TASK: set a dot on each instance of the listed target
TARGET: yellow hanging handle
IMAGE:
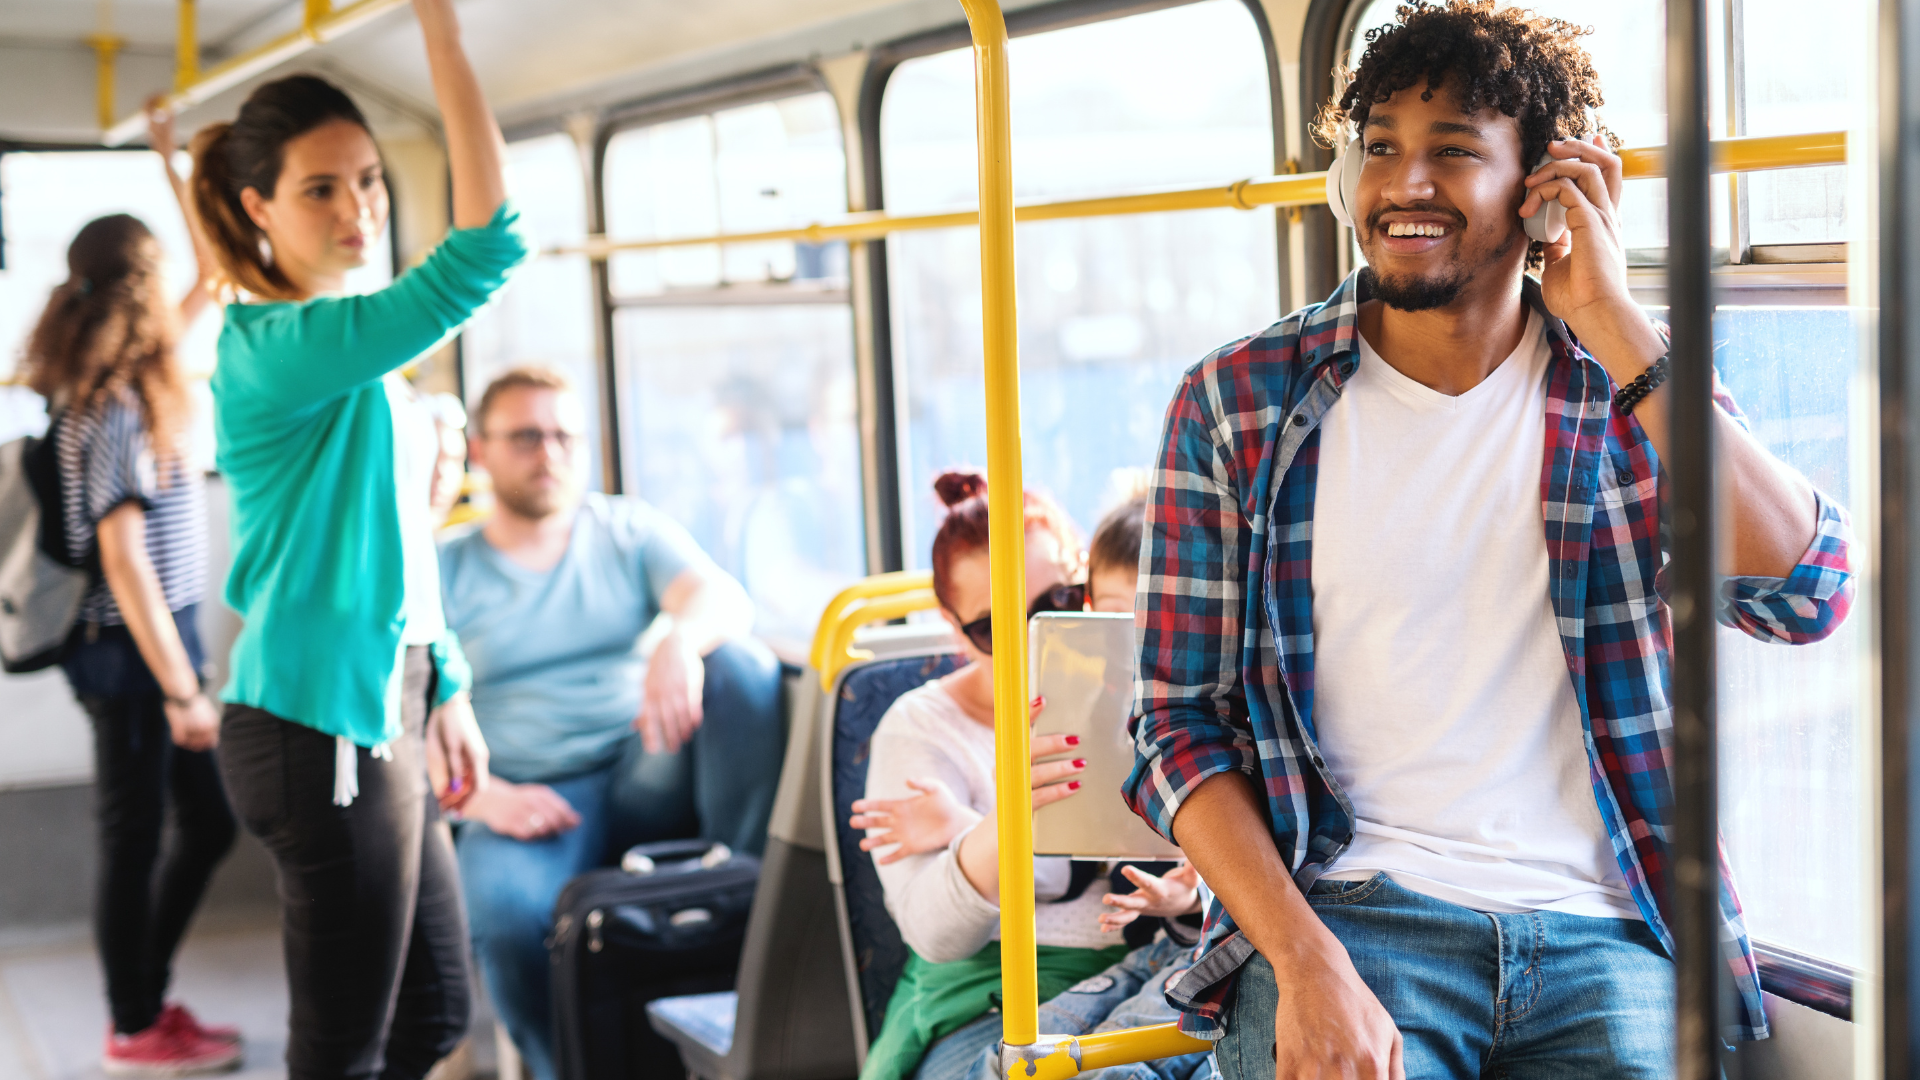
(1006, 524)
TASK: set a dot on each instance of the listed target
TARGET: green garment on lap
(932, 1001)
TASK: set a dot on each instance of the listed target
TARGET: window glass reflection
(1112, 310)
(769, 165)
(740, 424)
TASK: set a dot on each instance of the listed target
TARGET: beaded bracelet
(1636, 391)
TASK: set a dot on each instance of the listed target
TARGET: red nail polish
(1073, 740)
(1079, 763)
(1073, 785)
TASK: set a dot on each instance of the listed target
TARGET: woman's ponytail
(238, 245)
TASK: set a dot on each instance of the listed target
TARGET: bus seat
(874, 953)
(785, 1019)
(790, 1017)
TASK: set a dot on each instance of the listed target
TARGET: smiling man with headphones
(1402, 689)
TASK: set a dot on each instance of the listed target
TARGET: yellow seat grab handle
(899, 581)
(840, 651)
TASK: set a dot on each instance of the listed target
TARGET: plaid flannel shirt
(1226, 616)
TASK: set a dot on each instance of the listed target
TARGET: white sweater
(941, 916)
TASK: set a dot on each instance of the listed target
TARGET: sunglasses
(1058, 598)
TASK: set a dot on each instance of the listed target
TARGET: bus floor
(53, 1011)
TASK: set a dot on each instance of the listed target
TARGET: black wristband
(1645, 383)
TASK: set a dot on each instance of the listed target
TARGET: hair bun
(956, 486)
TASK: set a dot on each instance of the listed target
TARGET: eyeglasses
(1058, 598)
(528, 440)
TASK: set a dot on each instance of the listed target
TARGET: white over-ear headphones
(1343, 185)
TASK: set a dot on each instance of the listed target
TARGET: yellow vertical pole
(186, 51)
(317, 12)
(1006, 525)
(105, 48)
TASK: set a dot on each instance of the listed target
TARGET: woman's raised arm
(476, 154)
(160, 137)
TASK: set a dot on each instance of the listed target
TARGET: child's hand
(1178, 893)
(919, 823)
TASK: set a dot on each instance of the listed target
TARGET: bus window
(1112, 310)
(1809, 80)
(1791, 749)
(547, 316)
(735, 366)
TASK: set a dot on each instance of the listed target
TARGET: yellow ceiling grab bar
(320, 23)
(1756, 153)
(865, 589)
(839, 651)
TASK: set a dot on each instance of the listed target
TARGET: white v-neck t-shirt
(1442, 700)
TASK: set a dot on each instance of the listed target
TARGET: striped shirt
(106, 459)
(1225, 612)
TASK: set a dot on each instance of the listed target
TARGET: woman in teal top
(347, 710)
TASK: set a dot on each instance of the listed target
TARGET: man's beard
(1426, 293)
(1415, 294)
(529, 502)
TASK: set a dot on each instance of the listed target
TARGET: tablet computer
(1082, 664)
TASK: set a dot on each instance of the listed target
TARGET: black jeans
(138, 771)
(374, 930)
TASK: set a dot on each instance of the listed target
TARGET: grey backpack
(40, 594)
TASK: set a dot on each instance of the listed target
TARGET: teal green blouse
(305, 442)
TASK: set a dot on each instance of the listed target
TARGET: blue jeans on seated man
(719, 786)
(1538, 995)
(1131, 993)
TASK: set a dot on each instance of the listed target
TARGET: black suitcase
(669, 921)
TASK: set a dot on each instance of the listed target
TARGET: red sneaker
(163, 1051)
(178, 1016)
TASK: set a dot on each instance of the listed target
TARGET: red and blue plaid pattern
(1226, 614)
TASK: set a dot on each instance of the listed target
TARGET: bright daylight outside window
(546, 317)
(1789, 746)
(65, 190)
(737, 401)
(1112, 310)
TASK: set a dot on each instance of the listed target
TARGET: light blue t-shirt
(556, 668)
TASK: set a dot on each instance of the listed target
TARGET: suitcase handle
(674, 856)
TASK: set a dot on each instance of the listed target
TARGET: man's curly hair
(1528, 66)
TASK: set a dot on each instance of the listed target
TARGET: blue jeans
(1533, 996)
(719, 786)
(1131, 993)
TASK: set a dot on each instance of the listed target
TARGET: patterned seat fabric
(866, 693)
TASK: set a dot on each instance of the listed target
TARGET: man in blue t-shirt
(588, 618)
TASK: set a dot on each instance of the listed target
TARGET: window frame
(887, 503)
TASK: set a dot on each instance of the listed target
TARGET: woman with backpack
(103, 356)
(347, 709)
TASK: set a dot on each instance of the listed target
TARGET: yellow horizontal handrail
(1062, 1057)
(315, 29)
(1755, 153)
(898, 581)
(840, 650)
(1109, 1048)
